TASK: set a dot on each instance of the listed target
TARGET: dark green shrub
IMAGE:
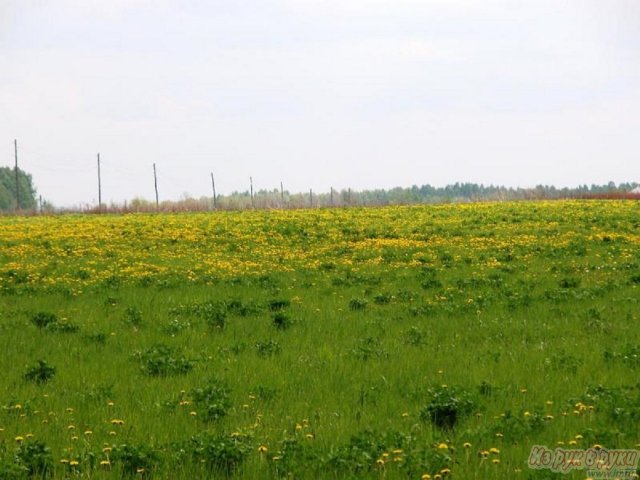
(211, 401)
(44, 319)
(41, 373)
(36, 458)
(162, 360)
(221, 453)
(138, 459)
(447, 406)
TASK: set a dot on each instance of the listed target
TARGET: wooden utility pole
(40, 201)
(311, 198)
(281, 195)
(213, 185)
(15, 145)
(155, 181)
(332, 196)
(251, 186)
(99, 186)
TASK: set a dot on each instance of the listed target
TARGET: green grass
(350, 376)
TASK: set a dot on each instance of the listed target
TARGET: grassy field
(400, 342)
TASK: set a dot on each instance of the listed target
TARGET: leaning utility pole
(213, 185)
(99, 186)
(15, 145)
(155, 181)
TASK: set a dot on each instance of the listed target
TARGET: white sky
(342, 93)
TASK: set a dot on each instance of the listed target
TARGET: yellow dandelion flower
(495, 461)
(425, 476)
(74, 463)
(466, 445)
(105, 463)
(19, 439)
(443, 446)
(262, 449)
(494, 450)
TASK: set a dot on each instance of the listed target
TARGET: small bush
(221, 453)
(36, 458)
(211, 401)
(277, 305)
(268, 348)
(282, 321)
(133, 316)
(358, 303)
(162, 360)
(447, 406)
(44, 319)
(41, 373)
(135, 459)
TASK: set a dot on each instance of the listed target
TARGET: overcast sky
(342, 93)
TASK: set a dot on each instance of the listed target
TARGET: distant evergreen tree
(8, 190)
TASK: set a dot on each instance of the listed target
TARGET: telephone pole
(281, 195)
(155, 181)
(99, 186)
(213, 185)
(15, 145)
(251, 186)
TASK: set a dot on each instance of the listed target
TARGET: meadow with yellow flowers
(417, 342)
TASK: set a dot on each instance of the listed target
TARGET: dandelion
(494, 450)
(105, 463)
(193, 414)
(443, 446)
(380, 462)
(74, 463)
(445, 471)
(140, 470)
(29, 435)
(495, 461)
(117, 421)
(309, 436)
(19, 439)
(262, 449)
(64, 461)
(425, 476)
(466, 445)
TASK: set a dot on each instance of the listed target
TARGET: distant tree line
(455, 193)
(8, 197)
(276, 198)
